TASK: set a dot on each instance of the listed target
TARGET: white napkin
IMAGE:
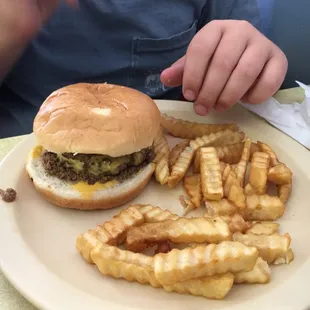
(292, 118)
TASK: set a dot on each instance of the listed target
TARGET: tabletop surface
(10, 299)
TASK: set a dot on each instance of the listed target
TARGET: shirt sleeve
(231, 9)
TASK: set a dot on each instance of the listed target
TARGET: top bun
(97, 119)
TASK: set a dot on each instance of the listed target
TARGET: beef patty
(92, 168)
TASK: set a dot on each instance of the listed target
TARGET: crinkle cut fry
(258, 173)
(263, 208)
(192, 185)
(213, 287)
(122, 264)
(242, 165)
(182, 230)
(233, 190)
(154, 214)
(111, 232)
(259, 274)
(162, 151)
(211, 176)
(190, 263)
(270, 247)
(184, 161)
(263, 228)
(230, 154)
(280, 174)
(221, 207)
(176, 152)
(284, 192)
(190, 130)
(267, 149)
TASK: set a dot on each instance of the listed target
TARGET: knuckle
(215, 23)
(224, 64)
(205, 99)
(250, 70)
(244, 24)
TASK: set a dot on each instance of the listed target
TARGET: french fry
(287, 258)
(112, 232)
(233, 191)
(211, 178)
(220, 138)
(270, 247)
(122, 264)
(242, 165)
(176, 152)
(263, 208)
(187, 204)
(284, 192)
(213, 287)
(231, 154)
(258, 173)
(196, 165)
(259, 274)
(189, 130)
(221, 207)
(236, 195)
(263, 228)
(85, 243)
(280, 174)
(184, 161)
(192, 185)
(153, 214)
(267, 149)
(236, 223)
(226, 173)
(182, 230)
(191, 263)
(161, 149)
(181, 166)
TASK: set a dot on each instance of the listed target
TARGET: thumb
(173, 76)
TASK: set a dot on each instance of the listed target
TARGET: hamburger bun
(63, 194)
(97, 119)
(93, 119)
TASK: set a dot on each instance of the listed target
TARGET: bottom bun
(86, 197)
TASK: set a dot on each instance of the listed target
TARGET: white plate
(37, 239)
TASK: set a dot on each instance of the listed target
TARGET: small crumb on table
(9, 195)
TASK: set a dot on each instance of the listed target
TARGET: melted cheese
(36, 152)
(87, 190)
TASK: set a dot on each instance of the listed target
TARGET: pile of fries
(229, 177)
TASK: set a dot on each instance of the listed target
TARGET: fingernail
(189, 95)
(201, 109)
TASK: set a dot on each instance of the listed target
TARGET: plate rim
(50, 299)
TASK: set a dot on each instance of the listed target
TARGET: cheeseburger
(94, 145)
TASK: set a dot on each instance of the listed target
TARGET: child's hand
(226, 61)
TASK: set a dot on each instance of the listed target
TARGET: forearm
(11, 48)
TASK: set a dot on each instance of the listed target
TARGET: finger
(172, 76)
(223, 63)
(245, 74)
(198, 56)
(47, 7)
(270, 79)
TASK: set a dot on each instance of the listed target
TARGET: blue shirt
(126, 42)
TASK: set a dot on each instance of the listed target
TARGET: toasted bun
(63, 194)
(97, 119)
